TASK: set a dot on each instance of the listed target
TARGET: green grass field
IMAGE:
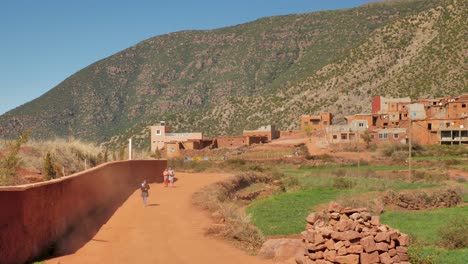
(285, 213)
(425, 226)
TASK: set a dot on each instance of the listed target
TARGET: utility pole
(359, 156)
(130, 149)
(410, 147)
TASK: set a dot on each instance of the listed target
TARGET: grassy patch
(423, 225)
(438, 255)
(362, 184)
(285, 213)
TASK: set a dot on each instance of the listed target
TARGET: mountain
(269, 71)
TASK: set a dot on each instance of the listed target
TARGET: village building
(431, 121)
(261, 135)
(160, 135)
(316, 123)
(268, 132)
(351, 132)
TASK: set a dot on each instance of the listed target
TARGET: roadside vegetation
(25, 161)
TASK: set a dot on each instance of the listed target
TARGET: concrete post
(130, 149)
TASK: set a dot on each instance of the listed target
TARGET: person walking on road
(171, 177)
(166, 177)
(144, 191)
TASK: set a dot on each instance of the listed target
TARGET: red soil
(169, 230)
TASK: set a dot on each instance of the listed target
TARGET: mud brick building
(317, 122)
(161, 135)
(431, 121)
(269, 132)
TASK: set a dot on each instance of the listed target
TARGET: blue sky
(43, 42)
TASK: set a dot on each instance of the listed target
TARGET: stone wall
(424, 199)
(34, 216)
(351, 236)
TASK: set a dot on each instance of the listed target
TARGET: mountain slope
(268, 71)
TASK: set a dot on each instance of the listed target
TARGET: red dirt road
(169, 230)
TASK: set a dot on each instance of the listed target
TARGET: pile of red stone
(350, 235)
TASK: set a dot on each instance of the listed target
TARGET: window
(315, 122)
(158, 132)
(463, 105)
(385, 124)
(335, 137)
(383, 135)
(429, 126)
(405, 115)
(395, 136)
(361, 124)
(344, 136)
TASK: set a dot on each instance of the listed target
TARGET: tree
(49, 170)
(11, 162)
(308, 132)
(157, 154)
(367, 138)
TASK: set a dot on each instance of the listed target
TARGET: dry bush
(454, 234)
(70, 156)
(429, 177)
(218, 199)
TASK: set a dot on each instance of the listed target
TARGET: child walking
(171, 177)
(166, 177)
(144, 191)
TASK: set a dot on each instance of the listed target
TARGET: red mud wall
(33, 217)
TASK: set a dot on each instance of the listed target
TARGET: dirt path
(169, 230)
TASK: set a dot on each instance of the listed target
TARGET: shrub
(454, 234)
(420, 255)
(235, 162)
(325, 157)
(289, 183)
(387, 150)
(399, 155)
(49, 169)
(218, 197)
(339, 172)
(343, 183)
(12, 161)
(429, 177)
(460, 179)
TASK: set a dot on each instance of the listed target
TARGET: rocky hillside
(271, 70)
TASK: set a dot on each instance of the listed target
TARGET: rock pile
(350, 236)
